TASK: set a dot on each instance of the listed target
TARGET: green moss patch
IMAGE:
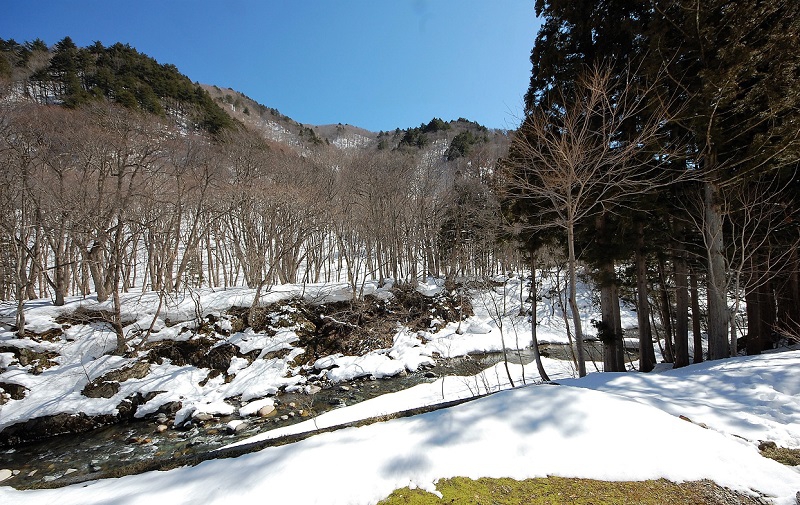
(558, 490)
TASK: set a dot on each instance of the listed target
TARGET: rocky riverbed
(208, 369)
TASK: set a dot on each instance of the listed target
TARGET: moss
(783, 455)
(557, 490)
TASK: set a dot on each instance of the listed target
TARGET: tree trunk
(21, 282)
(534, 322)
(788, 293)
(718, 316)
(95, 268)
(620, 351)
(666, 313)
(573, 303)
(61, 268)
(681, 305)
(697, 331)
(116, 323)
(609, 326)
(753, 320)
(646, 363)
(767, 306)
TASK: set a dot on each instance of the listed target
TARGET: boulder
(100, 389)
(235, 426)
(107, 385)
(16, 391)
(267, 411)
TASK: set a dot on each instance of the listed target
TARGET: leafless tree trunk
(534, 296)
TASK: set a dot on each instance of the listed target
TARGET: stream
(118, 448)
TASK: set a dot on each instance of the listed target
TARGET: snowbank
(522, 433)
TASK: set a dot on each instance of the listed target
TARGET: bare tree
(752, 211)
(577, 157)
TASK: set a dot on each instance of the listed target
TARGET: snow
(567, 430)
(574, 429)
(254, 406)
(752, 398)
(444, 389)
(407, 353)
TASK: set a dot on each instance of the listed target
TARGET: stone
(14, 391)
(430, 375)
(48, 426)
(161, 428)
(5, 473)
(107, 385)
(284, 418)
(235, 426)
(100, 389)
(312, 389)
(70, 470)
(267, 411)
(203, 417)
(292, 405)
(344, 388)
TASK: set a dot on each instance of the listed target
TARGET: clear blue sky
(378, 64)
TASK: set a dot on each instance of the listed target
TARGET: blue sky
(378, 64)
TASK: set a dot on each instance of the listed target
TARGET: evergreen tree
(576, 36)
(75, 76)
(729, 61)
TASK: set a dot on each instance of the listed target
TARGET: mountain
(71, 76)
(436, 139)
(75, 76)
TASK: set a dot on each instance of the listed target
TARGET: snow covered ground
(581, 428)
(584, 429)
(83, 349)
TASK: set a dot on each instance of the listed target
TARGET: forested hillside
(77, 76)
(103, 195)
(658, 158)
